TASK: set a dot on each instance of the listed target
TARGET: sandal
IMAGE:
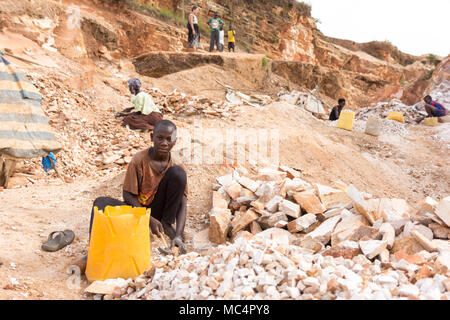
(62, 239)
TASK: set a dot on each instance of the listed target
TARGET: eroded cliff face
(284, 32)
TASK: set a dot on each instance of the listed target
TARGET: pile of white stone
(284, 238)
(382, 109)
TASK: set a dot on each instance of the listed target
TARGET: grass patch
(304, 8)
(161, 13)
(429, 74)
(265, 62)
(432, 59)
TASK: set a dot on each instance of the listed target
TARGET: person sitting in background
(433, 109)
(145, 113)
(231, 38)
(336, 112)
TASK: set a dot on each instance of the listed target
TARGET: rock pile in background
(94, 142)
(382, 109)
(182, 104)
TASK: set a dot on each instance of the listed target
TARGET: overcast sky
(414, 26)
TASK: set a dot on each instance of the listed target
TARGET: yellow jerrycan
(397, 116)
(120, 243)
(346, 120)
(431, 122)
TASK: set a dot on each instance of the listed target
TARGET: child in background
(231, 38)
(221, 38)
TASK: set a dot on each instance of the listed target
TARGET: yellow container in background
(431, 122)
(397, 116)
(346, 120)
(120, 243)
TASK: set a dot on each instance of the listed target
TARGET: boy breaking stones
(154, 181)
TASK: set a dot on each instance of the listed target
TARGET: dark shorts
(230, 45)
(439, 111)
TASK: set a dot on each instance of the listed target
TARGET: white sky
(414, 26)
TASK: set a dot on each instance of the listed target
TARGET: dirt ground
(410, 167)
(324, 154)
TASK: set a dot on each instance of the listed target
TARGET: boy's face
(427, 100)
(164, 139)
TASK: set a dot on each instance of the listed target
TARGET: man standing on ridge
(214, 24)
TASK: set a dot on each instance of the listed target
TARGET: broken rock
(272, 205)
(388, 232)
(372, 248)
(309, 201)
(330, 197)
(443, 210)
(219, 201)
(220, 223)
(270, 221)
(289, 208)
(359, 203)
(424, 241)
(244, 221)
(302, 223)
(249, 184)
(233, 189)
(324, 231)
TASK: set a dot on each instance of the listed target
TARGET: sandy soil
(410, 167)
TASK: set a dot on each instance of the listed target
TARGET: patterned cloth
(439, 110)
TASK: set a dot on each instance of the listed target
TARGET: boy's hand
(178, 242)
(156, 227)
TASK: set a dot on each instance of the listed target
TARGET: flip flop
(62, 239)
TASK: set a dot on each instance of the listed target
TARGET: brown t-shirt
(142, 178)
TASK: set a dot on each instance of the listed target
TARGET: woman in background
(194, 33)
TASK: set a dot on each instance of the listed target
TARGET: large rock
(255, 228)
(394, 210)
(424, 241)
(346, 249)
(291, 173)
(272, 205)
(365, 232)
(289, 208)
(269, 174)
(219, 201)
(201, 242)
(249, 184)
(279, 236)
(359, 203)
(332, 198)
(372, 248)
(296, 185)
(428, 205)
(324, 231)
(244, 221)
(219, 225)
(234, 190)
(347, 227)
(443, 210)
(302, 223)
(270, 221)
(225, 180)
(388, 232)
(309, 202)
